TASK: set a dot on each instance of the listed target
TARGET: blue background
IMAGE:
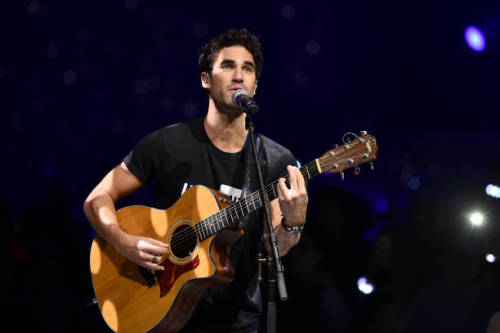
(82, 81)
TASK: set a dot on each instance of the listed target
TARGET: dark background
(82, 81)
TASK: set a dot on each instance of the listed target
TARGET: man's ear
(205, 80)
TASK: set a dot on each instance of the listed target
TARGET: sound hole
(183, 241)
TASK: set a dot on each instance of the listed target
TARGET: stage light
(475, 38)
(493, 191)
(490, 258)
(476, 219)
(364, 286)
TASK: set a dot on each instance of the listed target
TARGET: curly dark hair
(228, 38)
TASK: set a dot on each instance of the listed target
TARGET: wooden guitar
(199, 228)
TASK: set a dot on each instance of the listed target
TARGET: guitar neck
(361, 150)
(244, 206)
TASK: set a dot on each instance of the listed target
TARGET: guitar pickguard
(172, 271)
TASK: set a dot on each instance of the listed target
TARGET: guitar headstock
(355, 150)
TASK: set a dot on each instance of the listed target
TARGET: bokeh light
(491, 258)
(493, 191)
(364, 286)
(476, 219)
(475, 38)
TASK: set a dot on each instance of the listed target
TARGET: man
(208, 151)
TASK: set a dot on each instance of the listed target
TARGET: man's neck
(226, 133)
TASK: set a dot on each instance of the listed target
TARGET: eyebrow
(229, 61)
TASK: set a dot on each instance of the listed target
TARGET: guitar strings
(205, 226)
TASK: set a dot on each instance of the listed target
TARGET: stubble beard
(229, 109)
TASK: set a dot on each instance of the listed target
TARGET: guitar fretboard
(235, 212)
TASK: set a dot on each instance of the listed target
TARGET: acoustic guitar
(199, 229)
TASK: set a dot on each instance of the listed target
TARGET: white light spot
(476, 219)
(490, 258)
(364, 286)
(493, 191)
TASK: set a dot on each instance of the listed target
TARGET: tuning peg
(342, 175)
(357, 170)
(363, 133)
(372, 167)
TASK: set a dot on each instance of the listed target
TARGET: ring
(154, 260)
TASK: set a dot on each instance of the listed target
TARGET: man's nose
(238, 75)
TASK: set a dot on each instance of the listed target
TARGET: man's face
(233, 69)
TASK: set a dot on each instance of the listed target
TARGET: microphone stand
(276, 271)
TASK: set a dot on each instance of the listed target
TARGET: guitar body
(134, 299)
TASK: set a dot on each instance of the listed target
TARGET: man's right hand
(99, 207)
(142, 250)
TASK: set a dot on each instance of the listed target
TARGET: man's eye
(248, 69)
(227, 66)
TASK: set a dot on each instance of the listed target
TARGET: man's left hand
(293, 200)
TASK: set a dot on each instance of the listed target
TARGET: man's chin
(232, 112)
(229, 109)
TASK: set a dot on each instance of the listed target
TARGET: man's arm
(99, 207)
(291, 204)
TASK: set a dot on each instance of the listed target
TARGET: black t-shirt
(182, 155)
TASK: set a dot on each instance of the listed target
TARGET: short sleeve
(142, 161)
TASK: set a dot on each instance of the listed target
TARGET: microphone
(246, 103)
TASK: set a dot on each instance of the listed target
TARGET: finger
(150, 265)
(293, 177)
(157, 242)
(154, 262)
(147, 246)
(282, 189)
(301, 183)
(158, 251)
